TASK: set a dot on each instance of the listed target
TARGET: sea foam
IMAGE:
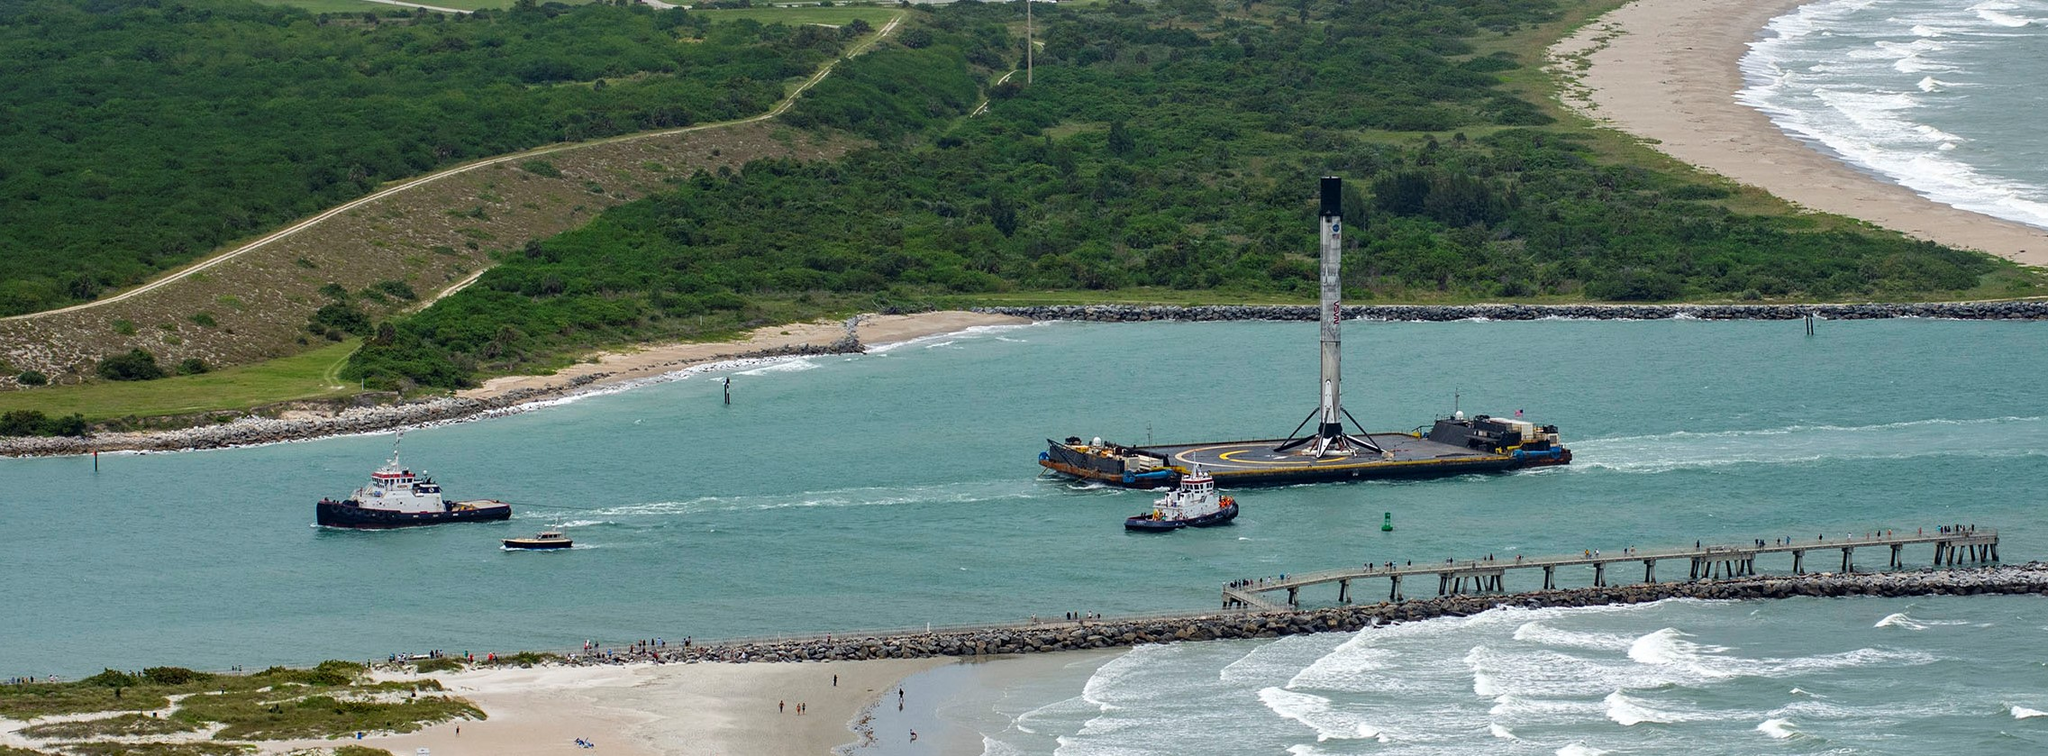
(1780, 729)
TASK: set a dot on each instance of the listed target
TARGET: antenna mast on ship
(1330, 439)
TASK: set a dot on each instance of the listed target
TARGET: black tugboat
(397, 498)
(1195, 504)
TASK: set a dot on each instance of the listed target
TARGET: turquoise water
(899, 488)
(1945, 98)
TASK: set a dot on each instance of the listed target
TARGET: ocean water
(1799, 676)
(1944, 98)
(900, 488)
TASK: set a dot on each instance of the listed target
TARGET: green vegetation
(524, 659)
(873, 16)
(278, 703)
(311, 375)
(136, 365)
(158, 749)
(441, 664)
(1163, 148)
(199, 122)
(118, 726)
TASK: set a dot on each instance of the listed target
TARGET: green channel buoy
(1387, 525)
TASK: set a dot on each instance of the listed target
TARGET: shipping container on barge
(1453, 445)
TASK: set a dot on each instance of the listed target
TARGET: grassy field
(305, 376)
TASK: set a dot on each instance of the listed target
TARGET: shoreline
(2033, 309)
(606, 373)
(1668, 72)
(624, 370)
(735, 698)
(651, 709)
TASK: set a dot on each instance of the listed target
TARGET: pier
(1953, 545)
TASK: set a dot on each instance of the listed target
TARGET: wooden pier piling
(1952, 545)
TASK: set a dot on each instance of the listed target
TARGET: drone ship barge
(1454, 445)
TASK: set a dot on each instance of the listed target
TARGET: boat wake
(872, 496)
(1807, 444)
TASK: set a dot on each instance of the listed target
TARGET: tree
(1121, 143)
(136, 365)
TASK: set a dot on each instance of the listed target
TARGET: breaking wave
(1778, 728)
(1859, 79)
(1317, 712)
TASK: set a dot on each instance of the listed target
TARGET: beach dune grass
(44, 699)
(311, 375)
(328, 700)
(312, 711)
(158, 749)
(116, 726)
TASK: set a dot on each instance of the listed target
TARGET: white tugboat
(1194, 504)
(398, 498)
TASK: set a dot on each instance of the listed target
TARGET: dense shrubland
(1170, 145)
(142, 133)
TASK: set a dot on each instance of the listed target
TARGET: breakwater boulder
(2013, 310)
(1037, 637)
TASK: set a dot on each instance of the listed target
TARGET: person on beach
(835, 681)
(779, 706)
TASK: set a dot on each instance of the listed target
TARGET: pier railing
(1953, 544)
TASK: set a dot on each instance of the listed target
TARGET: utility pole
(1028, 44)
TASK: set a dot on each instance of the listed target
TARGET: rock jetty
(1025, 638)
(256, 428)
(2011, 310)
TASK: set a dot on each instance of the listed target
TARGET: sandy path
(875, 330)
(1671, 75)
(707, 709)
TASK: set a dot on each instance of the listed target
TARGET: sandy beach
(655, 360)
(643, 709)
(1667, 70)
